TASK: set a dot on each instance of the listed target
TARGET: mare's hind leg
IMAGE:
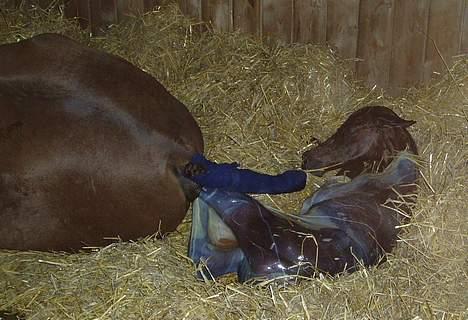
(26, 222)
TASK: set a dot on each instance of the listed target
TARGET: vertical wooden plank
(310, 21)
(44, 4)
(108, 12)
(101, 13)
(128, 7)
(374, 46)
(277, 16)
(70, 9)
(464, 29)
(193, 8)
(182, 6)
(443, 33)
(9, 4)
(246, 16)
(95, 22)
(218, 13)
(78, 9)
(342, 27)
(409, 30)
(84, 13)
(149, 5)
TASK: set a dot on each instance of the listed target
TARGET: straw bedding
(260, 105)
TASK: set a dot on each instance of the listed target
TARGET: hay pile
(259, 105)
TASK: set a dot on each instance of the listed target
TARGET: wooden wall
(390, 43)
(98, 14)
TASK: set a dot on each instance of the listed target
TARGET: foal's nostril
(305, 160)
(310, 164)
(313, 164)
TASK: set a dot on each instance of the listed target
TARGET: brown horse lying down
(365, 142)
(91, 146)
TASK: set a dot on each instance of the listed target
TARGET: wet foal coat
(341, 226)
(365, 142)
(91, 147)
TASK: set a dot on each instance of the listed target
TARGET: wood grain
(310, 21)
(443, 35)
(277, 18)
(246, 16)
(375, 42)
(193, 8)
(409, 43)
(128, 7)
(218, 13)
(396, 43)
(342, 27)
(464, 29)
(80, 10)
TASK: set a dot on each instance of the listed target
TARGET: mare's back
(91, 147)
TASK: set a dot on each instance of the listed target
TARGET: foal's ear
(395, 122)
